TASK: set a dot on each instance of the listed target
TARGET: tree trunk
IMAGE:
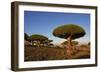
(69, 47)
(69, 43)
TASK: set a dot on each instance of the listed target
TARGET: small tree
(69, 32)
(73, 43)
(38, 39)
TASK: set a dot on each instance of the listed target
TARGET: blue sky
(36, 22)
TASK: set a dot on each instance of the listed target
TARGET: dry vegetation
(55, 53)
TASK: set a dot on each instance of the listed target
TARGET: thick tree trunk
(69, 47)
(69, 43)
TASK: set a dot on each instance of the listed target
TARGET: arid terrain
(33, 53)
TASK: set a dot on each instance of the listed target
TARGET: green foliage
(38, 37)
(73, 42)
(67, 30)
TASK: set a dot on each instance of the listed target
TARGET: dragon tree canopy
(73, 30)
(37, 37)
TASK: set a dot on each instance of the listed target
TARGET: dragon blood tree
(39, 40)
(69, 32)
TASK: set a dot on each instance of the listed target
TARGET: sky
(37, 22)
